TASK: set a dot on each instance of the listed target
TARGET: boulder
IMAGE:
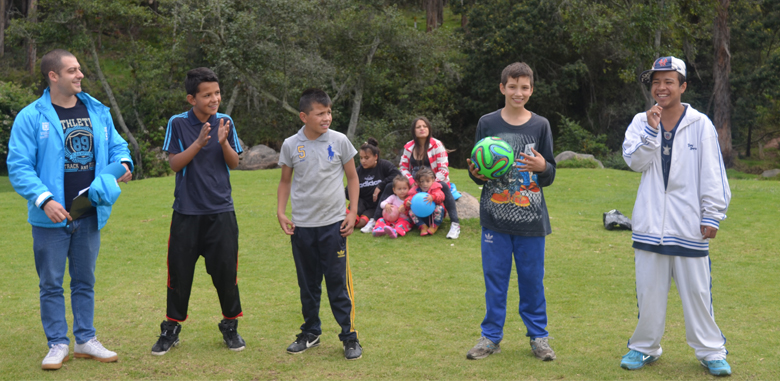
(468, 206)
(158, 152)
(258, 157)
(244, 147)
(771, 173)
(774, 143)
(568, 155)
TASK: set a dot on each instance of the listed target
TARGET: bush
(572, 137)
(615, 161)
(578, 163)
(13, 98)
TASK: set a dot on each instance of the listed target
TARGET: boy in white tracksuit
(683, 195)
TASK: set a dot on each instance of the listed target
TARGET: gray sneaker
(542, 350)
(484, 348)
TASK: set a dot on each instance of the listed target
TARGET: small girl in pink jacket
(425, 181)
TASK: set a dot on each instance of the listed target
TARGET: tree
(722, 91)
(434, 14)
(754, 78)
(3, 11)
(32, 17)
(72, 25)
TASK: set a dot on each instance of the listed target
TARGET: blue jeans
(79, 243)
(497, 252)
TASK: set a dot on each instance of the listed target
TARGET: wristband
(43, 204)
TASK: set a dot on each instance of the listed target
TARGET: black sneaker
(169, 337)
(303, 342)
(231, 336)
(352, 349)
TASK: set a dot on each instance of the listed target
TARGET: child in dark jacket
(425, 181)
(374, 174)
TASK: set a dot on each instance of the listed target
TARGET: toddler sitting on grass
(425, 181)
(395, 221)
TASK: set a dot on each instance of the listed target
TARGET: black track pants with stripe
(215, 237)
(322, 252)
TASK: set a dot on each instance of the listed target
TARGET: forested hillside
(385, 62)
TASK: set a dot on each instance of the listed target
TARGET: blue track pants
(497, 252)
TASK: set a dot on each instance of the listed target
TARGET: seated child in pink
(391, 224)
(425, 181)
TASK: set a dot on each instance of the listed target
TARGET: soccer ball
(493, 157)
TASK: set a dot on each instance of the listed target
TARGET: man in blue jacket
(58, 143)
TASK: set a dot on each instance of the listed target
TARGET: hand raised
(224, 130)
(654, 116)
(204, 137)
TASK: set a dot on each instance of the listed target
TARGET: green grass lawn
(419, 299)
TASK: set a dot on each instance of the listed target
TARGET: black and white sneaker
(352, 349)
(303, 342)
(169, 337)
(230, 335)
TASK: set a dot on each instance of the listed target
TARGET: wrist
(46, 201)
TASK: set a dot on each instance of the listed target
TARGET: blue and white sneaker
(717, 367)
(635, 360)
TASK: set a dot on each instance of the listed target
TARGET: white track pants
(654, 273)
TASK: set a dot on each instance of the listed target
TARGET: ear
(53, 76)
(683, 87)
(502, 88)
(303, 116)
(191, 99)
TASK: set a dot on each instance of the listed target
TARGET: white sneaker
(94, 350)
(58, 353)
(454, 231)
(369, 226)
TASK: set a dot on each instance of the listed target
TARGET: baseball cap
(663, 64)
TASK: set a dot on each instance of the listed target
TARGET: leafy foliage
(578, 163)
(382, 72)
(13, 98)
(572, 137)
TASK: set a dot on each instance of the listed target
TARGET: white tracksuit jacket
(697, 193)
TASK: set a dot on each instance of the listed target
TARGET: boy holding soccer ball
(513, 215)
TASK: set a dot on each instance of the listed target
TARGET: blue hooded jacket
(36, 155)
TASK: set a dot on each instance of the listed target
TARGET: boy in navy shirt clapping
(202, 146)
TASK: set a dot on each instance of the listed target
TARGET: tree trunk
(233, 97)
(358, 100)
(431, 15)
(722, 91)
(139, 170)
(32, 53)
(2, 27)
(649, 101)
(440, 12)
